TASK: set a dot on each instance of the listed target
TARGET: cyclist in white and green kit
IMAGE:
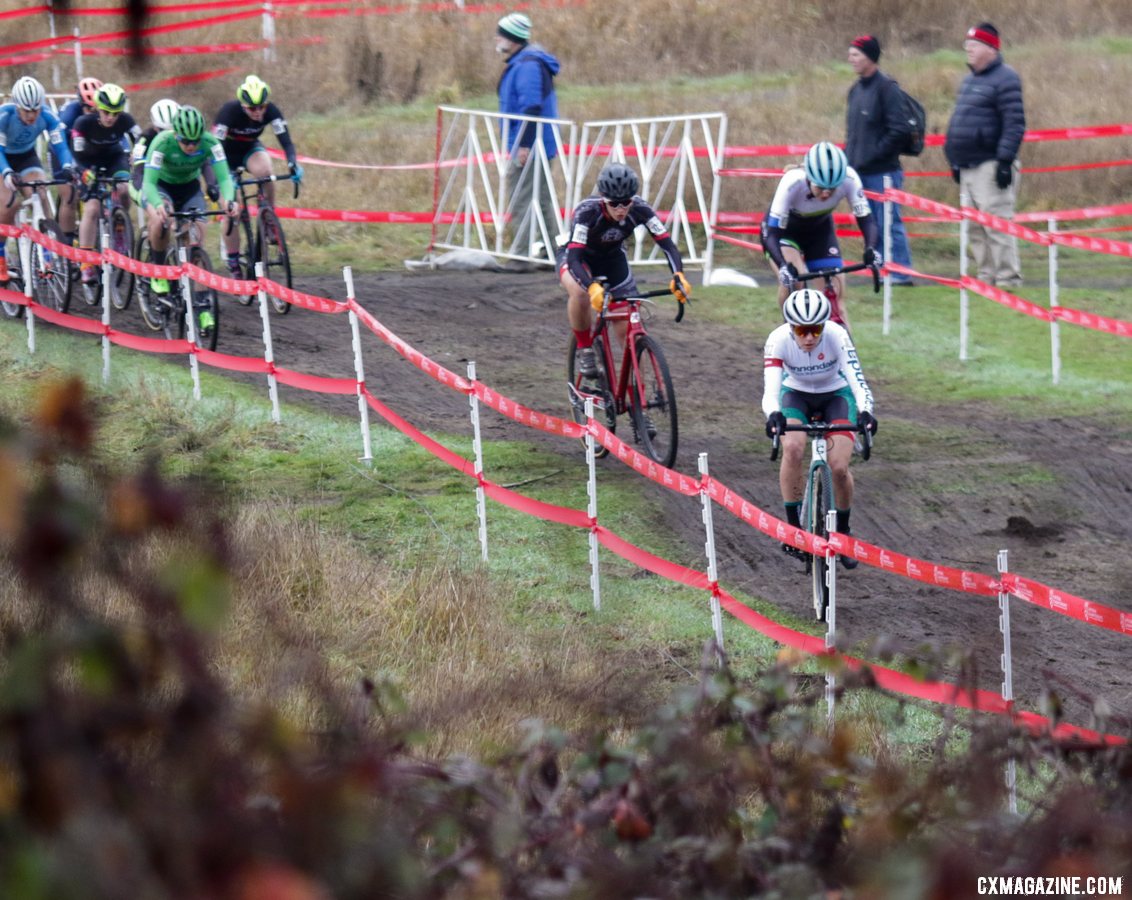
(171, 183)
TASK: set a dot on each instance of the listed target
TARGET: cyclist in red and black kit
(238, 124)
(97, 141)
(599, 227)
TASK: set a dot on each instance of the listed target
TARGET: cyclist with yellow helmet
(97, 140)
(172, 180)
(239, 123)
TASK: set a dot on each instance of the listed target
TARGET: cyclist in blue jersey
(21, 123)
(599, 227)
(798, 233)
(239, 123)
(96, 141)
(811, 372)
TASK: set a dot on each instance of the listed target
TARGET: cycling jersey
(597, 242)
(168, 163)
(98, 146)
(830, 366)
(240, 133)
(16, 138)
(795, 213)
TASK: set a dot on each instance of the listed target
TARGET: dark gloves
(213, 191)
(787, 275)
(955, 174)
(872, 257)
(775, 424)
(867, 421)
(1004, 173)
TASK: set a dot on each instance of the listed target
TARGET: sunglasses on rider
(808, 330)
(618, 204)
(255, 107)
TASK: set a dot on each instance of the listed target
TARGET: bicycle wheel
(152, 310)
(271, 249)
(206, 305)
(819, 496)
(121, 241)
(598, 388)
(15, 282)
(51, 272)
(247, 254)
(652, 402)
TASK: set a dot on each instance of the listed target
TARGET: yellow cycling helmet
(253, 92)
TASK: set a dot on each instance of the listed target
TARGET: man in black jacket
(875, 131)
(983, 139)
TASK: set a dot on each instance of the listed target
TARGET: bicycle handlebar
(642, 295)
(36, 185)
(841, 270)
(265, 179)
(820, 429)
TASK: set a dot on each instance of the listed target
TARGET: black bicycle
(165, 311)
(268, 244)
(818, 499)
(115, 218)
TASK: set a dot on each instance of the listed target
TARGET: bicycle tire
(598, 387)
(15, 283)
(655, 419)
(271, 250)
(247, 254)
(204, 299)
(51, 272)
(151, 311)
(819, 494)
(121, 230)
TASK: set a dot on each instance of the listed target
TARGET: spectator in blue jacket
(983, 139)
(526, 88)
(875, 131)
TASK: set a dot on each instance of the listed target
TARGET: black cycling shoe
(849, 562)
(791, 550)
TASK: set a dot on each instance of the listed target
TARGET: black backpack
(916, 123)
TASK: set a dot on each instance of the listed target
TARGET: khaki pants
(520, 189)
(995, 253)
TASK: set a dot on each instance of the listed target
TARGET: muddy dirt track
(1073, 532)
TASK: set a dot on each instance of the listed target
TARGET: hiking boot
(159, 285)
(206, 321)
(4, 274)
(587, 362)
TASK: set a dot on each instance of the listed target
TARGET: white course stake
(1007, 673)
(887, 247)
(268, 347)
(831, 616)
(709, 548)
(964, 228)
(106, 269)
(591, 507)
(1054, 303)
(359, 368)
(191, 330)
(24, 243)
(477, 451)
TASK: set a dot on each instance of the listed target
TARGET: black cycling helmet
(618, 182)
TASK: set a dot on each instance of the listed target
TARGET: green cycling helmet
(188, 124)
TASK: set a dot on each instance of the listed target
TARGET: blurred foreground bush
(129, 768)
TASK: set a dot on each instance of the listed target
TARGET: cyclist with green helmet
(797, 231)
(239, 123)
(97, 142)
(173, 167)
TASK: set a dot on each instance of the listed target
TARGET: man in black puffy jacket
(983, 139)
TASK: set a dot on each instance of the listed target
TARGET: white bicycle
(51, 273)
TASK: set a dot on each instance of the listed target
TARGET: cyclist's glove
(10, 180)
(296, 171)
(68, 172)
(867, 421)
(213, 191)
(787, 275)
(88, 177)
(775, 424)
(873, 257)
(233, 207)
(597, 296)
(680, 287)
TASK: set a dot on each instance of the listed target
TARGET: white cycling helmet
(806, 307)
(825, 165)
(28, 93)
(162, 112)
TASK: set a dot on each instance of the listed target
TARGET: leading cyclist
(811, 372)
(599, 228)
(797, 232)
